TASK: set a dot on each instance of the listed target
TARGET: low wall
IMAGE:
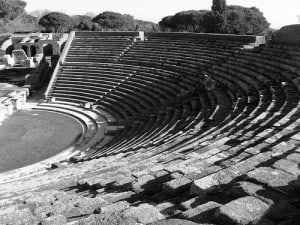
(108, 33)
(226, 37)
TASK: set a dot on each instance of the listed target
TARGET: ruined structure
(27, 50)
(12, 98)
(29, 59)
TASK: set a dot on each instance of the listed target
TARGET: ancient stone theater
(155, 129)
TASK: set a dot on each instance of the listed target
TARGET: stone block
(295, 157)
(144, 214)
(55, 220)
(242, 211)
(248, 164)
(274, 178)
(166, 208)
(124, 183)
(162, 176)
(107, 219)
(209, 183)
(203, 172)
(244, 188)
(142, 183)
(176, 175)
(69, 206)
(176, 186)
(119, 206)
(173, 222)
(192, 203)
(18, 217)
(288, 166)
(201, 213)
(203, 185)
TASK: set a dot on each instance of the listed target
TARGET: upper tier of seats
(90, 47)
(172, 148)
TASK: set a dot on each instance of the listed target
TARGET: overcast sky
(277, 12)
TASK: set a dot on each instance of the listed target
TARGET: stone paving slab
(242, 211)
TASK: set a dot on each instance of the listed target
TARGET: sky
(277, 12)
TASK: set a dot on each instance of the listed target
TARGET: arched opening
(48, 50)
(9, 50)
(25, 48)
(32, 50)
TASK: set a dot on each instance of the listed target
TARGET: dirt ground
(29, 136)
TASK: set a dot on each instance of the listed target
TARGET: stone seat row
(248, 90)
(167, 183)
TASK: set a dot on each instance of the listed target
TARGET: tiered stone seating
(92, 47)
(173, 152)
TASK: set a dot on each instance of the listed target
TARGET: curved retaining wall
(226, 37)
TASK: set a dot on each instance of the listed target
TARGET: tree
(82, 23)
(10, 9)
(166, 24)
(243, 20)
(240, 20)
(56, 22)
(115, 21)
(219, 9)
(146, 26)
(213, 22)
(13, 17)
(23, 23)
(219, 6)
(191, 21)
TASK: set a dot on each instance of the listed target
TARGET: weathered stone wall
(220, 37)
(109, 33)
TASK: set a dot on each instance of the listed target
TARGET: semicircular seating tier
(169, 148)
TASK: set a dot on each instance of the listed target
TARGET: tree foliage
(13, 17)
(191, 21)
(10, 9)
(82, 22)
(240, 20)
(56, 22)
(218, 17)
(115, 21)
(23, 23)
(146, 26)
(213, 22)
(219, 6)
